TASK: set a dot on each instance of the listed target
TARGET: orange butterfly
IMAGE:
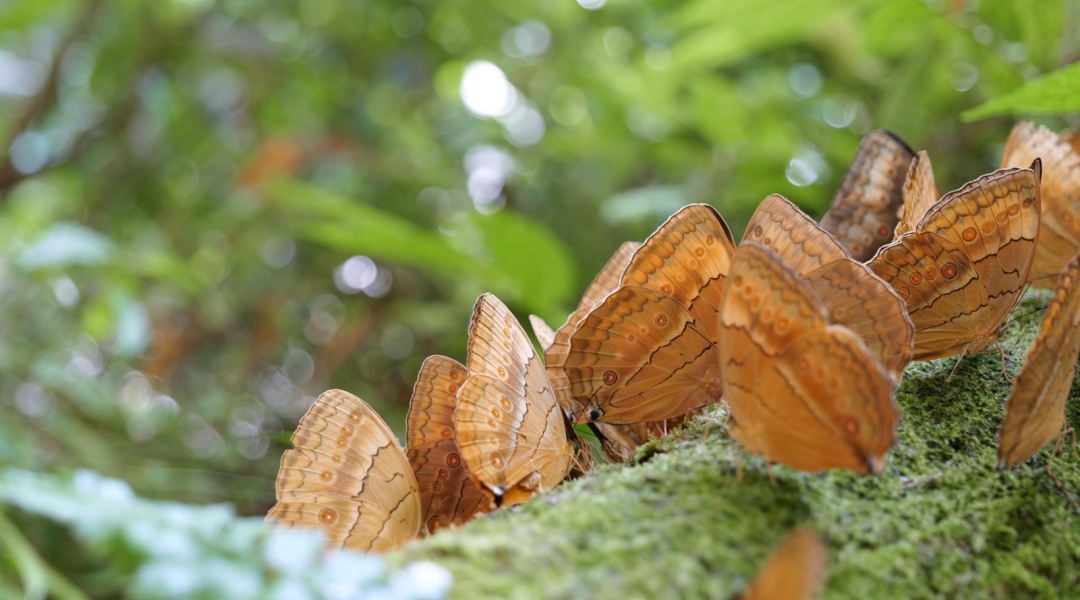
(864, 210)
(801, 390)
(1035, 411)
(513, 435)
(795, 571)
(1059, 234)
(647, 352)
(348, 477)
(448, 496)
(962, 269)
(920, 193)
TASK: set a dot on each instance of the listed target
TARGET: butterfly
(1059, 233)
(801, 390)
(795, 571)
(647, 352)
(448, 496)
(1035, 410)
(920, 193)
(348, 477)
(513, 435)
(619, 441)
(962, 269)
(853, 296)
(863, 214)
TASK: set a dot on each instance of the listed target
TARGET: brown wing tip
(1036, 165)
(895, 138)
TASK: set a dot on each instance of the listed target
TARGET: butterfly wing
(510, 428)
(801, 392)
(920, 193)
(1059, 230)
(348, 476)
(448, 496)
(795, 571)
(800, 243)
(864, 209)
(1035, 410)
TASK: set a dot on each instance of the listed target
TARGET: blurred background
(210, 212)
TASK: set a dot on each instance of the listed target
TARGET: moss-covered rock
(695, 516)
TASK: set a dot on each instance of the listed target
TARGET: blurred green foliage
(213, 211)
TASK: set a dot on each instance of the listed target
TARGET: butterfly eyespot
(969, 234)
(803, 364)
(335, 457)
(326, 475)
(505, 402)
(709, 240)
(491, 423)
(755, 303)
(452, 388)
(915, 279)
(496, 413)
(342, 442)
(758, 231)
(496, 460)
(820, 373)
(355, 417)
(437, 486)
(506, 344)
(442, 474)
(1002, 217)
(988, 226)
(931, 273)
(866, 239)
(435, 523)
(631, 337)
(492, 440)
(767, 314)
(1013, 210)
(610, 377)
(455, 375)
(882, 231)
(501, 371)
(693, 264)
(833, 384)
(768, 241)
(948, 271)
(782, 324)
(1066, 216)
(699, 252)
(851, 426)
(595, 413)
(453, 460)
(506, 358)
(327, 516)
(347, 430)
(446, 433)
(903, 293)
(737, 281)
(856, 248)
(661, 320)
(1028, 202)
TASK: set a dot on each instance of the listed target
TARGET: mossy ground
(941, 521)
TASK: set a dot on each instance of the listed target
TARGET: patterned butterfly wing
(801, 392)
(448, 496)
(646, 352)
(963, 269)
(347, 476)
(795, 571)
(1035, 411)
(920, 193)
(781, 227)
(510, 428)
(1059, 233)
(852, 294)
(864, 209)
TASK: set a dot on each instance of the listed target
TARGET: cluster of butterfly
(803, 329)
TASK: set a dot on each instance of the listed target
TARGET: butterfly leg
(1050, 471)
(959, 359)
(1003, 371)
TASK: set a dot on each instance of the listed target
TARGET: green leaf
(350, 226)
(726, 32)
(647, 203)
(529, 265)
(1055, 93)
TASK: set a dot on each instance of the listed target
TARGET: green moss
(941, 521)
